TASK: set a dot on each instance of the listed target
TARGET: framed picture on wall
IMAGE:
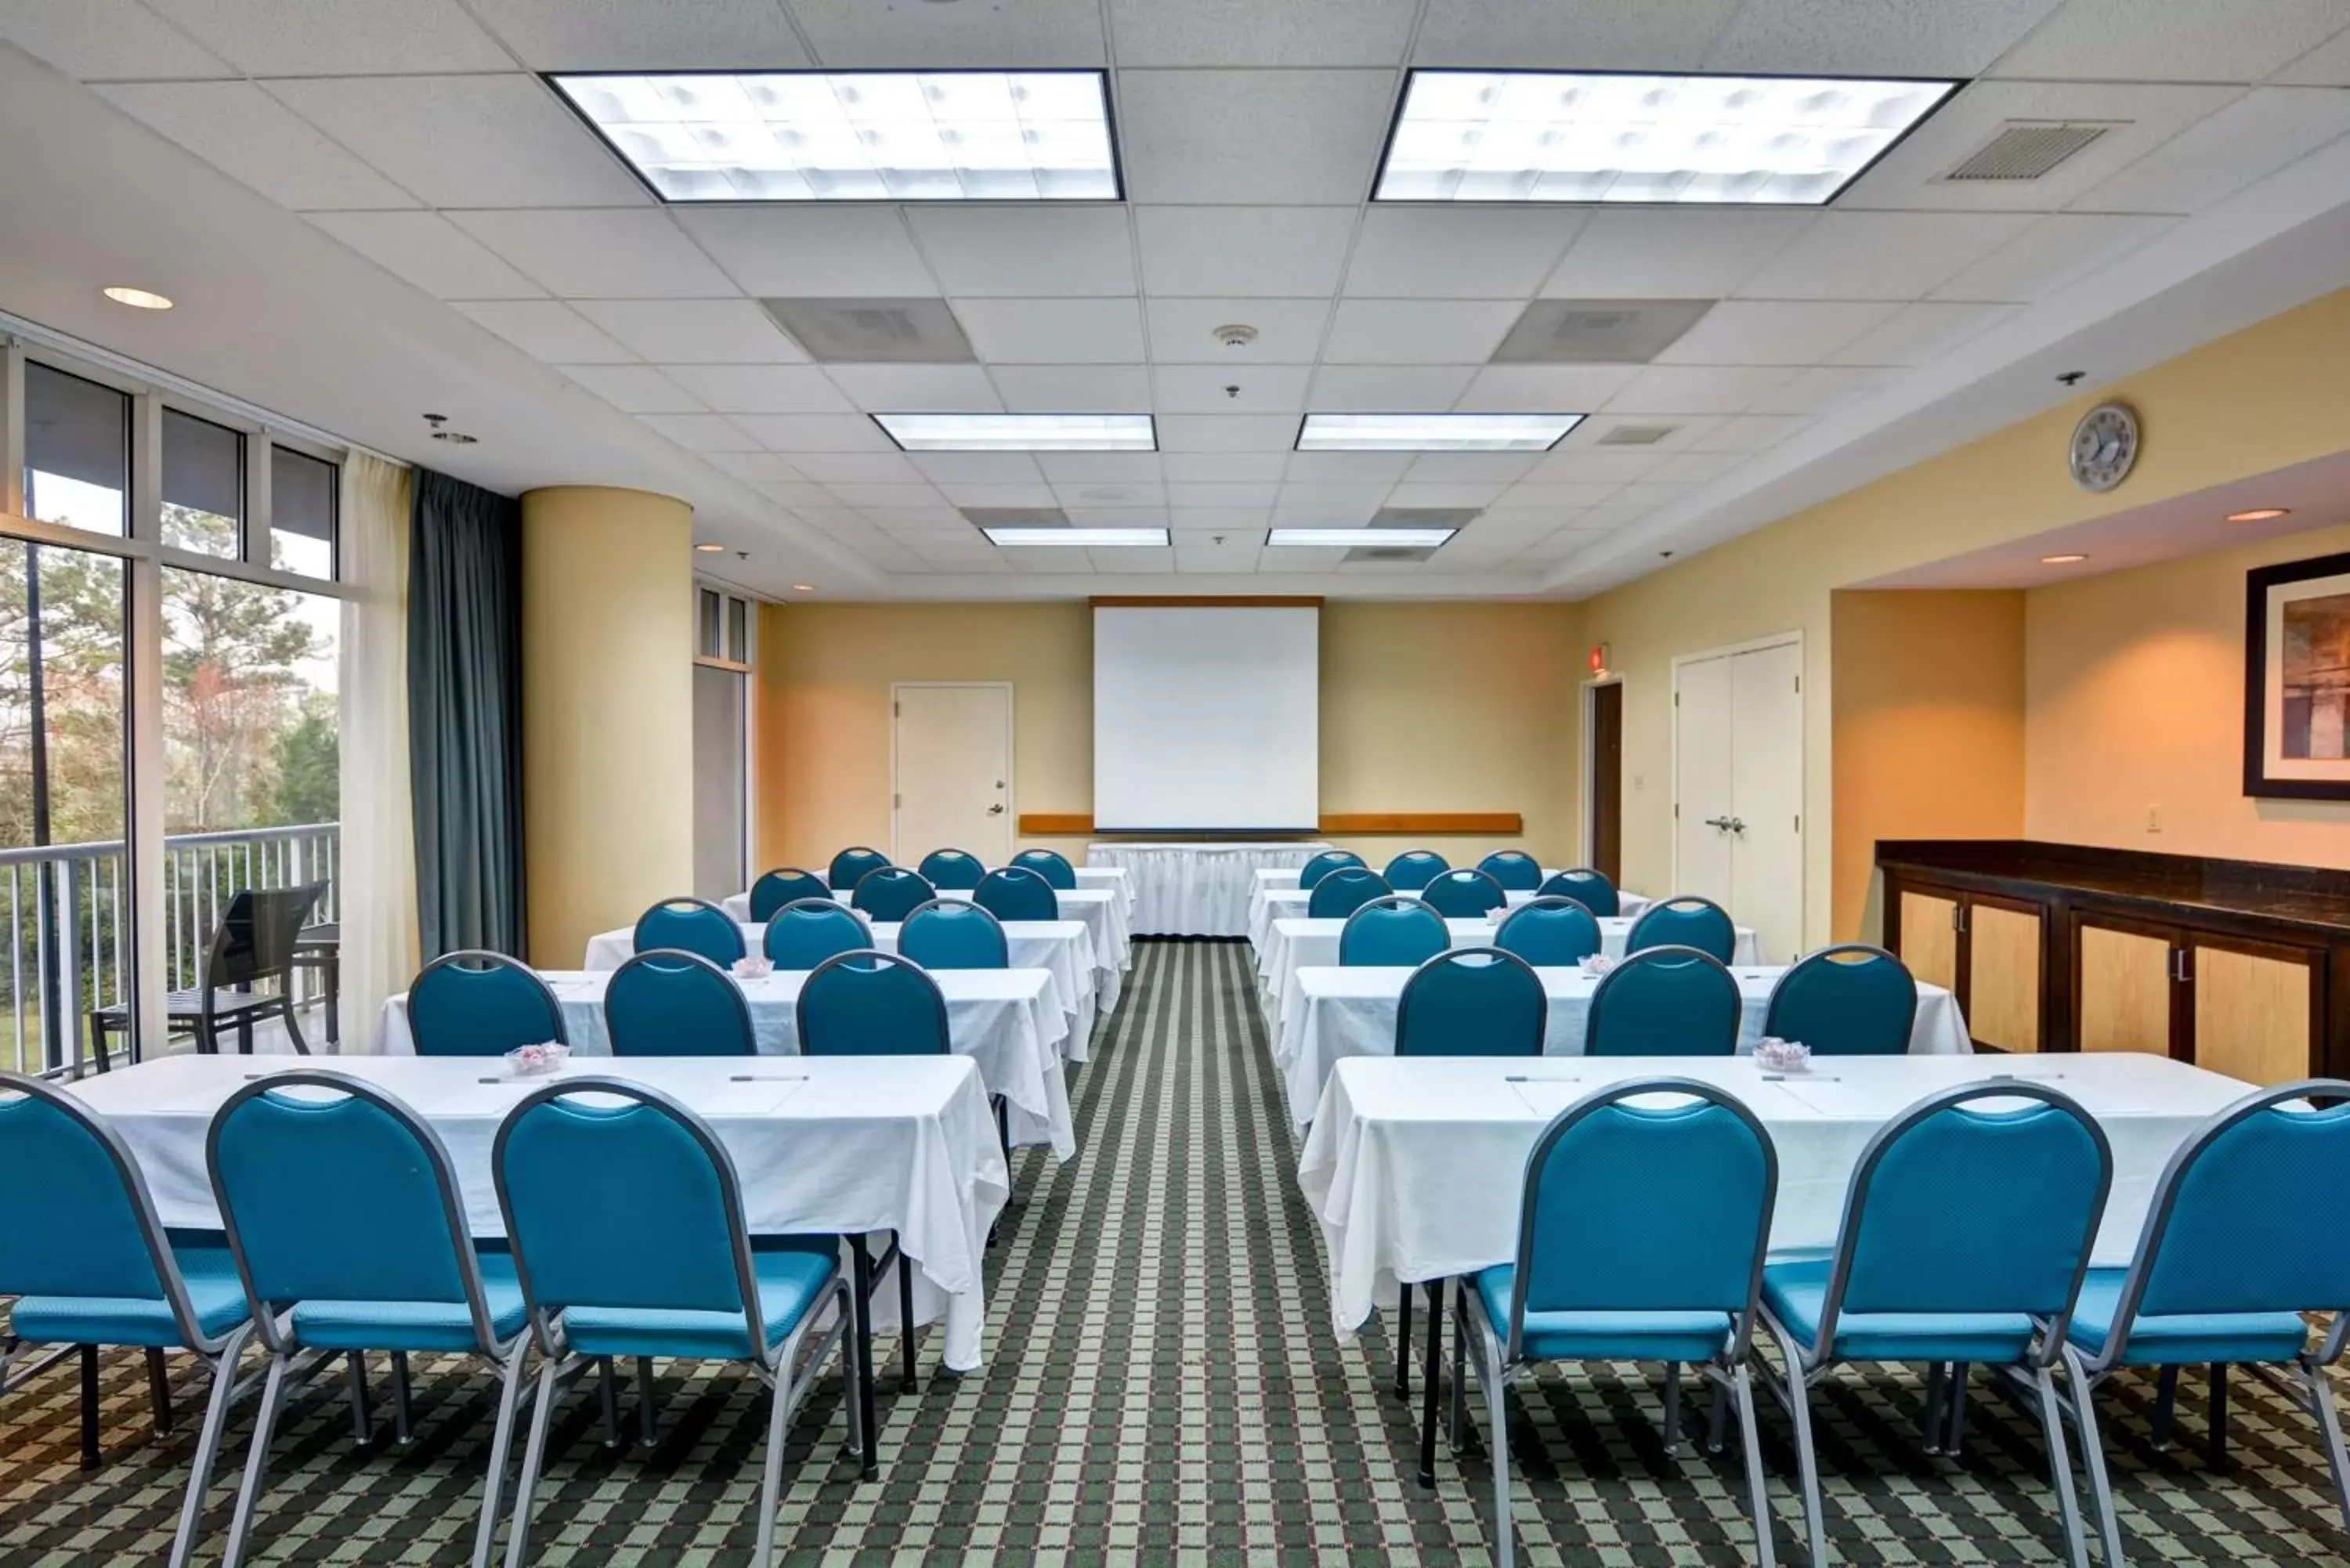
(2297, 680)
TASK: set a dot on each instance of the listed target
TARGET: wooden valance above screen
(1347, 825)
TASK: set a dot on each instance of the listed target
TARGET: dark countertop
(2305, 897)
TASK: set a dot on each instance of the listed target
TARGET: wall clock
(2105, 445)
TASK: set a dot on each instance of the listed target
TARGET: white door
(1766, 796)
(953, 746)
(1701, 780)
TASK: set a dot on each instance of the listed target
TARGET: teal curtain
(464, 714)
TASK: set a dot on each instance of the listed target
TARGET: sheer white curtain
(378, 830)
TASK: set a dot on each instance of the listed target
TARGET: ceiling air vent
(1016, 516)
(873, 331)
(2028, 149)
(1598, 331)
(1390, 554)
(1636, 435)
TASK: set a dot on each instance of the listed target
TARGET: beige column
(608, 711)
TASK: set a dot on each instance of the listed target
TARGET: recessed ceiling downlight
(709, 549)
(2071, 560)
(137, 298)
(2259, 515)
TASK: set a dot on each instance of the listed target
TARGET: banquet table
(1093, 878)
(1196, 890)
(852, 1144)
(1008, 1021)
(1414, 1165)
(1347, 1013)
(1269, 903)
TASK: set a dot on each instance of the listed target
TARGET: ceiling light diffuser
(1351, 538)
(709, 549)
(1078, 538)
(858, 136)
(2259, 515)
(1577, 136)
(137, 298)
(2062, 560)
(1021, 433)
(1433, 433)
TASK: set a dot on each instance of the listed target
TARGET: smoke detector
(1235, 335)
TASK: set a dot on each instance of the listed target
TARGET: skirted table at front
(1196, 890)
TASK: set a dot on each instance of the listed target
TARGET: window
(77, 451)
(738, 630)
(302, 512)
(203, 486)
(706, 623)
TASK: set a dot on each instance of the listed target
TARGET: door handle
(1721, 823)
(995, 810)
(2179, 971)
(1737, 824)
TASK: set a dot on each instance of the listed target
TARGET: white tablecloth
(1343, 1012)
(1272, 902)
(851, 1145)
(1196, 890)
(1100, 878)
(1292, 945)
(1414, 1165)
(1009, 1021)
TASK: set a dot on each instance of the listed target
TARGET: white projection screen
(1207, 718)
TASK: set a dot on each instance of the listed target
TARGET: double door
(1738, 789)
(2234, 1004)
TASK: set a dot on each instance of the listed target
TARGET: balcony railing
(66, 916)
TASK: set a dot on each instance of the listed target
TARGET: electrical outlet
(2154, 819)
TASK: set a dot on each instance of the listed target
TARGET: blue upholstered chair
(1846, 1001)
(89, 1265)
(1344, 890)
(871, 1003)
(1549, 932)
(1593, 1280)
(1463, 894)
(1514, 870)
(1686, 921)
(850, 866)
(1310, 875)
(1051, 865)
(954, 934)
(694, 925)
(1398, 931)
(478, 1003)
(1965, 1235)
(804, 933)
(952, 868)
(667, 1003)
(1664, 1002)
(2232, 1257)
(368, 1249)
(1016, 893)
(1586, 887)
(1411, 871)
(890, 893)
(630, 1240)
(784, 885)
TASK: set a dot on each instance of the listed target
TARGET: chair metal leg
(1672, 1404)
(362, 1417)
(850, 1401)
(1459, 1436)
(1403, 1344)
(1497, 1416)
(2060, 1470)
(647, 1418)
(533, 1456)
(1955, 1437)
(159, 1391)
(1741, 1383)
(256, 1463)
(2166, 1406)
(1931, 1420)
(1807, 1459)
(771, 1470)
(2217, 1453)
(401, 1422)
(610, 1379)
(1433, 1376)
(208, 1446)
(485, 1534)
(2329, 1431)
(1716, 1420)
(89, 1407)
(2093, 1455)
(906, 1311)
(860, 1258)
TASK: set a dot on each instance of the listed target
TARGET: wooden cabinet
(2245, 1007)
(1985, 950)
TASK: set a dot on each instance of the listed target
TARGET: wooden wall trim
(1206, 601)
(1352, 824)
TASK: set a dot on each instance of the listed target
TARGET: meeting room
(1174, 782)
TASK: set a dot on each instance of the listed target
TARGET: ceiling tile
(814, 504)
(1053, 331)
(1386, 389)
(1050, 558)
(329, 38)
(1074, 388)
(1261, 32)
(467, 141)
(1872, 37)
(817, 433)
(1288, 331)
(1027, 249)
(1328, 505)
(1571, 34)
(1697, 467)
(861, 496)
(1919, 333)
(1448, 493)
(1774, 332)
(1251, 136)
(1208, 389)
(760, 389)
(2248, 141)
(1099, 467)
(1132, 560)
(430, 251)
(1226, 432)
(2207, 41)
(854, 252)
(1347, 467)
(1418, 331)
(245, 133)
(1294, 562)
(1114, 505)
(619, 36)
(2328, 64)
(1749, 433)
(1225, 467)
(1663, 254)
(755, 467)
(1691, 390)
(637, 254)
(933, 522)
(1454, 252)
(106, 40)
(978, 467)
(2052, 253)
(1607, 467)
(1222, 503)
(832, 469)
(694, 331)
(1556, 496)
(854, 35)
(699, 432)
(1471, 467)
(1679, 434)
(1881, 255)
(918, 388)
(961, 492)
(637, 390)
(1205, 557)
(1544, 388)
(550, 330)
(1285, 252)
(1822, 389)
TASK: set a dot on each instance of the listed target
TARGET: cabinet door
(1929, 937)
(2126, 992)
(2002, 991)
(2255, 1008)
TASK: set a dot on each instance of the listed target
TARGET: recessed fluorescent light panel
(1433, 433)
(1350, 538)
(858, 136)
(1575, 136)
(1080, 538)
(1021, 433)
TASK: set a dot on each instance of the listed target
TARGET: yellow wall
(1928, 707)
(608, 711)
(2261, 399)
(1425, 707)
